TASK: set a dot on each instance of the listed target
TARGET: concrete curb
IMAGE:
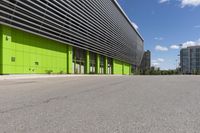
(35, 76)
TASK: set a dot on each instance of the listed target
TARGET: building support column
(123, 65)
(106, 65)
(69, 59)
(98, 64)
(130, 69)
(113, 66)
(87, 67)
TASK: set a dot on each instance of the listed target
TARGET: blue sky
(164, 24)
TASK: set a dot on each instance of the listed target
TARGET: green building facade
(26, 53)
(67, 37)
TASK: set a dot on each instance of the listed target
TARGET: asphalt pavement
(100, 104)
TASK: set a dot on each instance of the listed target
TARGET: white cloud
(174, 47)
(191, 43)
(197, 26)
(135, 25)
(159, 38)
(185, 3)
(186, 44)
(163, 1)
(160, 60)
(157, 62)
(161, 48)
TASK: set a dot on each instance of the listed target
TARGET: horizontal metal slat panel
(97, 26)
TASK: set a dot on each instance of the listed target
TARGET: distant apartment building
(190, 59)
(146, 60)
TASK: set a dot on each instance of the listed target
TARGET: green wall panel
(1, 40)
(120, 67)
(126, 69)
(117, 67)
(25, 53)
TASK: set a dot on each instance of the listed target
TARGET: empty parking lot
(101, 104)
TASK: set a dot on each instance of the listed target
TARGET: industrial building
(74, 37)
(190, 60)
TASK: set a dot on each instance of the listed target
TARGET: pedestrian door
(79, 57)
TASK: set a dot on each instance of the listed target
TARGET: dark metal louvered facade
(99, 26)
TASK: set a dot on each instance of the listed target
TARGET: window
(101, 65)
(13, 59)
(92, 63)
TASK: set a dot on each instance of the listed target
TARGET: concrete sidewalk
(36, 76)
